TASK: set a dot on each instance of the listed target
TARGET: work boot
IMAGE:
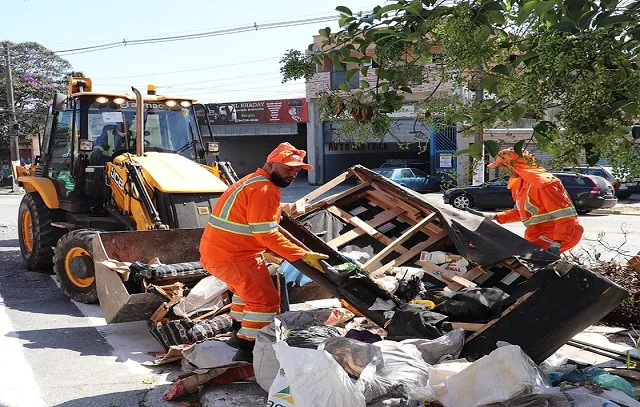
(234, 341)
(245, 351)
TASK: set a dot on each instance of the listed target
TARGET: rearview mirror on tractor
(59, 102)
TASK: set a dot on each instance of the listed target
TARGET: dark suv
(588, 192)
(621, 188)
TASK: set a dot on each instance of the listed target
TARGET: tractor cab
(87, 130)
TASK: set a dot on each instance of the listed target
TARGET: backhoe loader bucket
(170, 246)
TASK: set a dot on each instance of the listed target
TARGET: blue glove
(555, 250)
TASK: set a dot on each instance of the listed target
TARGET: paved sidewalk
(630, 206)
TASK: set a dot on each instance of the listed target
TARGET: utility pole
(13, 125)
(478, 173)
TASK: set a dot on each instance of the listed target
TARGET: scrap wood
(467, 326)
(378, 220)
(352, 193)
(398, 241)
(173, 354)
(359, 223)
(299, 205)
(413, 252)
(191, 383)
(119, 267)
(625, 372)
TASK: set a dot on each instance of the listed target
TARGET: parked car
(412, 178)
(588, 192)
(621, 188)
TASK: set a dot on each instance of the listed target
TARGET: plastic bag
(204, 296)
(280, 391)
(314, 379)
(351, 354)
(435, 351)
(311, 337)
(499, 376)
(265, 362)
(400, 372)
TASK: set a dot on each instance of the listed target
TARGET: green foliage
(296, 65)
(37, 74)
(576, 60)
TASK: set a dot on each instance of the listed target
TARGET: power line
(192, 31)
(190, 70)
(237, 30)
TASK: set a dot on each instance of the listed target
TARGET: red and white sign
(263, 112)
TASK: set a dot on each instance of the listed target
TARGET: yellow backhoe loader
(114, 162)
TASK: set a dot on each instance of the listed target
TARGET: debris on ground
(419, 305)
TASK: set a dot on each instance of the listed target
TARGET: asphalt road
(59, 353)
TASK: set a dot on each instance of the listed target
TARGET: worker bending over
(243, 224)
(542, 203)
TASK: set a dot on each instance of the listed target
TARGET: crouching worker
(542, 203)
(242, 226)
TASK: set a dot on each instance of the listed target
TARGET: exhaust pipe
(139, 122)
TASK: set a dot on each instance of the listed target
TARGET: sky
(226, 68)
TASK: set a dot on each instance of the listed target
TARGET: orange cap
(287, 154)
(509, 158)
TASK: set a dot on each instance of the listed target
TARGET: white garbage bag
(314, 379)
(265, 362)
(207, 295)
(503, 374)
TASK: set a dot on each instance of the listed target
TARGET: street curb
(615, 212)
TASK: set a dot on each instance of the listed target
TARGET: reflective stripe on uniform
(266, 317)
(228, 226)
(222, 221)
(248, 333)
(228, 204)
(555, 215)
(528, 206)
(237, 300)
(238, 316)
(263, 227)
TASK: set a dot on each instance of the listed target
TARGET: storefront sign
(446, 160)
(258, 112)
(360, 148)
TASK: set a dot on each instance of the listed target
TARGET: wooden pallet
(394, 207)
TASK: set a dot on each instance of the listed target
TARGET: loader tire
(37, 236)
(73, 264)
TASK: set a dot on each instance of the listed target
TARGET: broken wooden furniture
(393, 225)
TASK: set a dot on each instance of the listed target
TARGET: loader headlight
(171, 103)
(185, 103)
(213, 147)
(119, 101)
(102, 100)
(86, 145)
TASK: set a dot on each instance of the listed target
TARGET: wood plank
(474, 273)
(441, 274)
(336, 197)
(382, 196)
(505, 312)
(324, 188)
(462, 281)
(399, 240)
(359, 223)
(467, 326)
(517, 267)
(413, 252)
(378, 220)
(382, 201)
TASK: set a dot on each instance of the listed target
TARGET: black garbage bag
(312, 336)
(476, 304)
(417, 321)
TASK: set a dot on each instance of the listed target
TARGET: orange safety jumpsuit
(544, 206)
(243, 224)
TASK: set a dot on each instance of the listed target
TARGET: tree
(37, 74)
(579, 57)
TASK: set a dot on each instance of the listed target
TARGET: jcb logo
(117, 179)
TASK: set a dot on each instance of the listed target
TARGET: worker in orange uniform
(242, 225)
(542, 203)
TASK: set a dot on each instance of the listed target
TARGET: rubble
(419, 286)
